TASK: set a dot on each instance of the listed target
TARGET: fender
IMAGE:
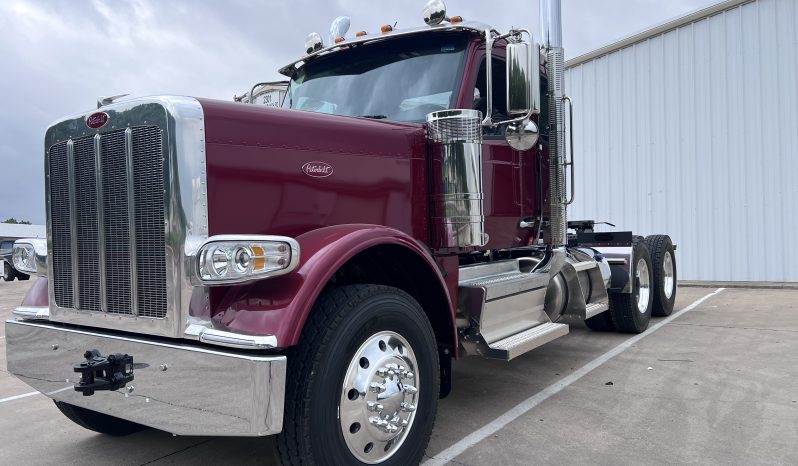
(280, 306)
(37, 295)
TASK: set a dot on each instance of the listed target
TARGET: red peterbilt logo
(317, 169)
(97, 120)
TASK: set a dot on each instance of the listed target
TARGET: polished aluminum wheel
(379, 397)
(644, 282)
(667, 268)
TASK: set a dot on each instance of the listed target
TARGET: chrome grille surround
(156, 239)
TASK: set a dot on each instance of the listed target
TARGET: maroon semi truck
(311, 271)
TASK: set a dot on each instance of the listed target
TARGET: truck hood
(287, 172)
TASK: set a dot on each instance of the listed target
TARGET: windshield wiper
(374, 117)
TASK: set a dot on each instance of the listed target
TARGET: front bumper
(182, 389)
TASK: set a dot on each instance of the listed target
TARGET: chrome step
(586, 265)
(594, 309)
(518, 344)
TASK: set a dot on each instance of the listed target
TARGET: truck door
(509, 176)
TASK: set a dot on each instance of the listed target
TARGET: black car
(7, 262)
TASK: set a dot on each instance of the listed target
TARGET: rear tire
(631, 312)
(601, 322)
(663, 261)
(98, 422)
(340, 390)
(8, 272)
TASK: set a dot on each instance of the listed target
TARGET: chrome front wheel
(363, 382)
(379, 397)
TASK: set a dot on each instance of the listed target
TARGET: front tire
(631, 312)
(363, 382)
(98, 422)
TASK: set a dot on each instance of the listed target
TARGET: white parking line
(525, 406)
(12, 398)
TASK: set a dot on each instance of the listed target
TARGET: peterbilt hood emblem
(317, 169)
(97, 120)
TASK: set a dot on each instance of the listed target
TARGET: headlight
(30, 256)
(234, 259)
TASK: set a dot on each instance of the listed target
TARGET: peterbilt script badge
(317, 169)
(97, 120)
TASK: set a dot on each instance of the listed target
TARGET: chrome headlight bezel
(238, 257)
(29, 256)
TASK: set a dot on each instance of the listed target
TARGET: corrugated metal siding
(693, 132)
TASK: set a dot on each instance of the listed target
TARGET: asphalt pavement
(716, 384)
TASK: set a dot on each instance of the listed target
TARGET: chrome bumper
(185, 390)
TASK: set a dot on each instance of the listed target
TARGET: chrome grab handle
(570, 164)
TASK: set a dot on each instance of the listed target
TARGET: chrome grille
(113, 257)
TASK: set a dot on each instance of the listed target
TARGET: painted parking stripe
(12, 398)
(525, 406)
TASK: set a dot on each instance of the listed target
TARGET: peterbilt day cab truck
(311, 271)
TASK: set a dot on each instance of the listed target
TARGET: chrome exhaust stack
(551, 24)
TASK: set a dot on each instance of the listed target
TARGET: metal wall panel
(693, 131)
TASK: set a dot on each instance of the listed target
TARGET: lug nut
(409, 375)
(377, 387)
(410, 389)
(374, 406)
(391, 428)
(409, 407)
(405, 422)
(382, 372)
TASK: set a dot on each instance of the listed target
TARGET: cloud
(59, 55)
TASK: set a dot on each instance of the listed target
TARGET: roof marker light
(338, 40)
(386, 28)
(456, 19)
(360, 33)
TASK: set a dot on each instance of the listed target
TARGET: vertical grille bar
(73, 226)
(98, 180)
(115, 223)
(60, 224)
(85, 221)
(131, 220)
(150, 220)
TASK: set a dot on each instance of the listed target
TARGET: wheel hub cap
(379, 397)
(667, 271)
(644, 285)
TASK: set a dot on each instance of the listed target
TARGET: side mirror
(523, 79)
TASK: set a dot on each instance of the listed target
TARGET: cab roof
(470, 26)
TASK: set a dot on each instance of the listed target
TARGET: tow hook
(103, 373)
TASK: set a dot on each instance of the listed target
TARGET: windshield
(400, 80)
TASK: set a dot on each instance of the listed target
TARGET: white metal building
(13, 231)
(691, 129)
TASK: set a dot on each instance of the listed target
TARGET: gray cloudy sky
(59, 55)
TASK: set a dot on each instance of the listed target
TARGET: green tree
(16, 222)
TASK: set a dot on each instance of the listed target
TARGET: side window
(499, 104)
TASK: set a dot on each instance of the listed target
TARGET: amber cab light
(360, 33)
(456, 19)
(386, 28)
